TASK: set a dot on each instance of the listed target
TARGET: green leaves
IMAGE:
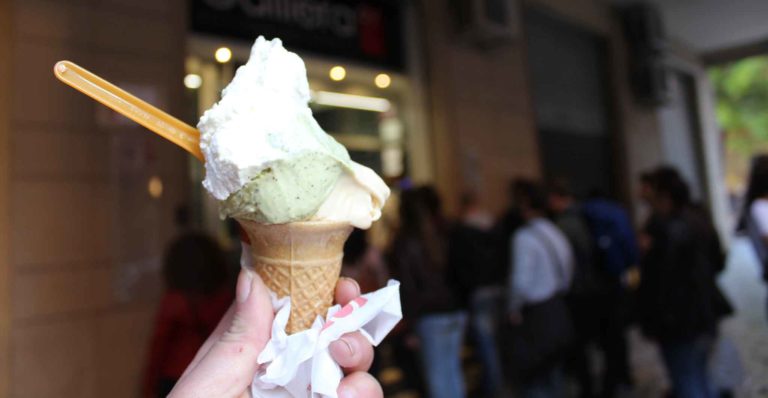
(742, 103)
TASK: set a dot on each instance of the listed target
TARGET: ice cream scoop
(268, 160)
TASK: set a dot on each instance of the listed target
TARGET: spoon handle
(165, 125)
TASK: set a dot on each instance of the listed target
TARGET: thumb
(229, 366)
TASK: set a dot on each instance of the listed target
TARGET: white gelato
(268, 160)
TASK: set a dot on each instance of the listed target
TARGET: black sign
(368, 31)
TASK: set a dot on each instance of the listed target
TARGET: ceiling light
(223, 54)
(361, 102)
(193, 81)
(155, 187)
(337, 73)
(382, 80)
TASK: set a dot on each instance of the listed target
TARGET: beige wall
(86, 236)
(481, 115)
(5, 267)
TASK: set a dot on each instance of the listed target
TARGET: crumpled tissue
(300, 365)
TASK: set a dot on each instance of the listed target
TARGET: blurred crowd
(540, 297)
(545, 293)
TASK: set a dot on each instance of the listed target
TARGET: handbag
(545, 335)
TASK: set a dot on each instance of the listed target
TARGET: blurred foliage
(742, 103)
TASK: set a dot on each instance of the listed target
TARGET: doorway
(570, 83)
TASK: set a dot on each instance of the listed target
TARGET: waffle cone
(301, 260)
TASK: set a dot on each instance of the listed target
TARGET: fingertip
(360, 385)
(346, 290)
(352, 352)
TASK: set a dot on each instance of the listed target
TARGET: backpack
(615, 244)
(588, 277)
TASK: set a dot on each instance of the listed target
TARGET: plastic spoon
(165, 125)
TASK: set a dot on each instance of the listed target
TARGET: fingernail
(347, 392)
(244, 285)
(354, 282)
(347, 346)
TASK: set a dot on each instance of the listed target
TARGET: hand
(226, 363)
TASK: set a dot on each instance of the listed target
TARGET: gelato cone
(301, 260)
(293, 188)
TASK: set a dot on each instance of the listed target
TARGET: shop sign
(368, 31)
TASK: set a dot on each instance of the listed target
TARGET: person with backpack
(592, 296)
(616, 257)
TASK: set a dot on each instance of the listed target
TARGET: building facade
(82, 236)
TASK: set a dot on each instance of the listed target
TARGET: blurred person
(473, 250)
(541, 270)
(196, 297)
(753, 221)
(363, 262)
(616, 256)
(227, 362)
(507, 224)
(679, 302)
(646, 195)
(587, 296)
(434, 305)
(645, 187)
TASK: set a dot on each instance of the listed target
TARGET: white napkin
(300, 365)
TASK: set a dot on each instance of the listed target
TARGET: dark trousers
(599, 320)
(686, 363)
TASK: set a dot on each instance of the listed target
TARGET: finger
(346, 290)
(360, 385)
(226, 320)
(228, 367)
(352, 352)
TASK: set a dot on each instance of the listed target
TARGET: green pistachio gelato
(286, 191)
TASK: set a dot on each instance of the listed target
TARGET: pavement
(747, 329)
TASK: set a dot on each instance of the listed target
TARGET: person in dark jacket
(509, 222)
(603, 244)
(474, 254)
(679, 301)
(616, 255)
(434, 304)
